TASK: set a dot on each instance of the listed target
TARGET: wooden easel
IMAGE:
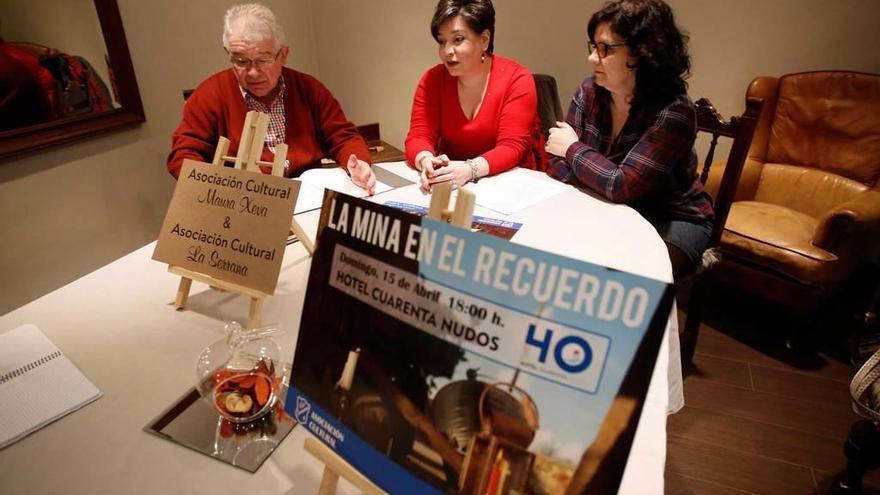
(335, 466)
(462, 215)
(253, 136)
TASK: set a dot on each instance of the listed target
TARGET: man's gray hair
(252, 22)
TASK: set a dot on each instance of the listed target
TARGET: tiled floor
(759, 418)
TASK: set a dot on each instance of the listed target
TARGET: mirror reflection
(65, 73)
(193, 423)
(53, 62)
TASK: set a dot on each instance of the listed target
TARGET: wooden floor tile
(826, 418)
(759, 417)
(756, 438)
(727, 468)
(676, 484)
(799, 385)
(714, 343)
(720, 370)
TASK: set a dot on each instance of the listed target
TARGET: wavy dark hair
(660, 48)
(479, 15)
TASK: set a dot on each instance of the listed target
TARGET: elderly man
(302, 112)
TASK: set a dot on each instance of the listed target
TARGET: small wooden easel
(253, 136)
(462, 215)
(335, 466)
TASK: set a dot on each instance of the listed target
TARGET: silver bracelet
(471, 163)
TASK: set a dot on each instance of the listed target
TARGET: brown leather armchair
(807, 208)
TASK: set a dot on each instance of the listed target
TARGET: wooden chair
(549, 109)
(740, 130)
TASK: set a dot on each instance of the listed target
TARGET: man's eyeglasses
(601, 48)
(246, 63)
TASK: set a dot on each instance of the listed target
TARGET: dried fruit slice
(238, 403)
(262, 367)
(261, 388)
(246, 381)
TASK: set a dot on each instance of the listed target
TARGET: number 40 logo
(566, 355)
(571, 353)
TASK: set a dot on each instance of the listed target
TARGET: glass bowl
(243, 397)
(239, 376)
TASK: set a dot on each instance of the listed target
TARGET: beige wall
(70, 210)
(379, 49)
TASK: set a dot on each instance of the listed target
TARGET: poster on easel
(434, 359)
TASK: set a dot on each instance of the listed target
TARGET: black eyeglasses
(246, 63)
(601, 48)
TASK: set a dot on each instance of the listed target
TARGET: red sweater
(506, 131)
(316, 127)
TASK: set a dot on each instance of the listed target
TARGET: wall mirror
(65, 73)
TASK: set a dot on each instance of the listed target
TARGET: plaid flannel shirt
(275, 131)
(652, 166)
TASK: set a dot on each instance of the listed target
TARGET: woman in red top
(475, 114)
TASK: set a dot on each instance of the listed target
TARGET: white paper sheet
(513, 191)
(314, 181)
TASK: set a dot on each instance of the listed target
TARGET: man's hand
(362, 174)
(561, 138)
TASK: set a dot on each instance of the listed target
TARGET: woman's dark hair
(659, 46)
(479, 15)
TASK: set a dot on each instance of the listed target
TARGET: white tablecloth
(118, 326)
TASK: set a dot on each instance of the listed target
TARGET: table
(118, 326)
(380, 151)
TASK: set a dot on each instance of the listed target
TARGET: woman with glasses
(475, 113)
(302, 112)
(630, 130)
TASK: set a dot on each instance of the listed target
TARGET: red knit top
(506, 130)
(316, 127)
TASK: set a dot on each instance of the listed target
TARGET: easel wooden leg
(463, 214)
(334, 467)
(220, 152)
(256, 309)
(439, 206)
(182, 293)
(329, 481)
(187, 276)
(301, 235)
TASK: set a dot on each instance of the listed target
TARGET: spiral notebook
(38, 384)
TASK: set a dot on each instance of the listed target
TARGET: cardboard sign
(483, 366)
(227, 223)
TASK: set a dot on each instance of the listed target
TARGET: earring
(483, 58)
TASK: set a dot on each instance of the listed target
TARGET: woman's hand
(429, 164)
(459, 173)
(561, 138)
(362, 174)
